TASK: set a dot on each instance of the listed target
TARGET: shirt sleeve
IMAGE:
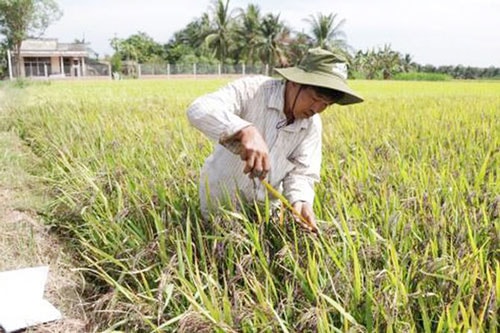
(218, 114)
(298, 184)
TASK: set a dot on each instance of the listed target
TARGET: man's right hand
(254, 152)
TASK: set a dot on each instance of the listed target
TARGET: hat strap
(292, 119)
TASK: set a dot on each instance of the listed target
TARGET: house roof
(50, 47)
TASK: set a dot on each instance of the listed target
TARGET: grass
(408, 205)
(24, 240)
(16, 237)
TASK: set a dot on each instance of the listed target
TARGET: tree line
(232, 36)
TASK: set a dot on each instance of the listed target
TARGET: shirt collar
(277, 103)
(277, 100)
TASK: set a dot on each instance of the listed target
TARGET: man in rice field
(269, 129)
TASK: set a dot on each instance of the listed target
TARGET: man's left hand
(305, 209)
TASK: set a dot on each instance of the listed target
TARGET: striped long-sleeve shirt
(294, 150)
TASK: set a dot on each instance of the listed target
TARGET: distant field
(409, 203)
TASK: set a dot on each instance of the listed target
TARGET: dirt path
(24, 239)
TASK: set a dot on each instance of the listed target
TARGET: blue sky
(438, 32)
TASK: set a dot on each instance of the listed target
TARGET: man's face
(310, 102)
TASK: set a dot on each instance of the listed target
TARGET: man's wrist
(244, 131)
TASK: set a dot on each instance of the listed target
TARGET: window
(35, 66)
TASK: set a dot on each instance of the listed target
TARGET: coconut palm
(271, 48)
(326, 32)
(220, 37)
(248, 33)
(195, 33)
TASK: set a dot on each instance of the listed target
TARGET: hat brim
(300, 76)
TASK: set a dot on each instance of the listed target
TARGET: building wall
(55, 63)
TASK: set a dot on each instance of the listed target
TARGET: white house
(48, 57)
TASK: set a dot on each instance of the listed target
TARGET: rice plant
(408, 205)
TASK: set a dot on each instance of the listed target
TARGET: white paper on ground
(21, 299)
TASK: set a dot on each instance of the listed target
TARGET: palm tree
(195, 33)
(220, 36)
(248, 33)
(271, 47)
(327, 33)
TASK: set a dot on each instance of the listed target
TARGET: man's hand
(305, 209)
(254, 152)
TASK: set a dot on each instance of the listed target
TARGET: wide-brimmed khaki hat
(321, 68)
